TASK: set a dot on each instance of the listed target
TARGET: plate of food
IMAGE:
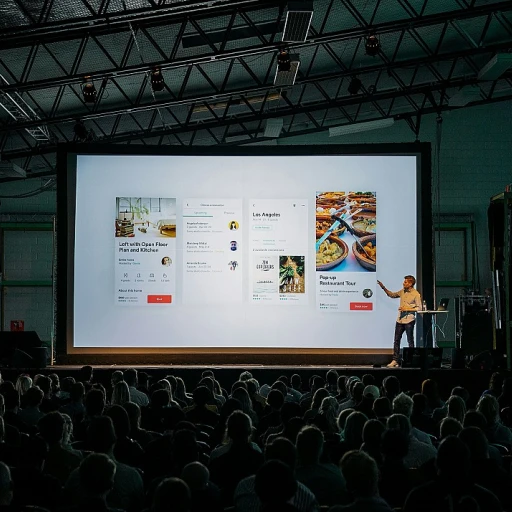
(365, 226)
(323, 224)
(362, 197)
(330, 253)
(367, 258)
(331, 196)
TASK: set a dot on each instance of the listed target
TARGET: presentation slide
(248, 251)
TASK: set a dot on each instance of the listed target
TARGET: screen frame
(66, 201)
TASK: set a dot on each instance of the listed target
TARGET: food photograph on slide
(346, 231)
(145, 217)
(292, 274)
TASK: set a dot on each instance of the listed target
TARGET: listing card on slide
(278, 251)
(145, 251)
(346, 251)
(212, 251)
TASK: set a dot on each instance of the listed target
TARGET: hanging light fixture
(372, 45)
(283, 60)
(354, 85)
(89, 91)
(157, 80)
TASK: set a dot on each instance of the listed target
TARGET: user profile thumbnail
(232, 265)
(233, 245)
(166, 261)
(233, 225)
(292, 274)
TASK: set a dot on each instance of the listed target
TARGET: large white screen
(239, 236)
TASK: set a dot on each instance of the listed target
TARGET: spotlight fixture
(354, 85)
(283, 61)
(298, 20)
(157, 80)
(372, 90)
(89, 91)
(286, 75)
(372, 45)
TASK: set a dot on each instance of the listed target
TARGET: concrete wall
(475, 163)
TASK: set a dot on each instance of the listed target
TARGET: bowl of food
(324, 223)
(331, 252)
(364, 226)
(366, 257)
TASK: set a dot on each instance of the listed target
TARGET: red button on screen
(159, 299)
(361, 306)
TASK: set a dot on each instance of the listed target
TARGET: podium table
(433, 322)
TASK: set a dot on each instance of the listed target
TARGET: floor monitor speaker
(419, 357)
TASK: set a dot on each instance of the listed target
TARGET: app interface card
(346, 250)
(145, 251)
(212, 251)
(278, 248)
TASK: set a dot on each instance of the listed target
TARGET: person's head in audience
(209, 382)
(290, 410)
(160, 398)
(85, 374)
(143, 378)
(282, 449)
(77, 392)
(11, 400)
(97, 472)
(207, 373)
(101, 435)
(449, 427)
(23, 384)
(51, 427)
(419, 404)
(120, 393)
(318, 396)
(67, 438)
(353, 431)
(342, 418)
(361, 474)
(34, 396)
(116, 377)
(130, 377)
(403, 404)
(357, 392)
(474, 418)
(331, 379)
(275, 485)
(184, 445)
(172, 381)
(32, 453)
(66, 383)
(243, 397)
(453, 460)
(134, 415)
(245, 375)
(280, 386)
(120, 419)
(45, 384)
(372, 434)
(489, 407)
(238, 384)
(430, 390)
(252, 387)
(181, 390)
(462, 392)
(310, 445)
(329, 410)
(341, 385)
(477, 443)
(6, 485)
(202, 396)
(382, 408)
(456, 408)
(284, 379)
(171, 495)
(55, 383)
(394, 445)
(165, 384)
(94, 402)
(368, 379)
(390, 387)
(239, 427)
(400, 422)
(275, 400)
(496, 384)
(292, 428)
(296, 382)
(196, 476)
(315, 382)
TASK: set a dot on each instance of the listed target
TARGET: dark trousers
(399, 330)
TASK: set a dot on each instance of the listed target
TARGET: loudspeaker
(482, 361)
(476, 333)
(419, 357)
(458, 359)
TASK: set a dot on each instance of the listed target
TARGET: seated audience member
(496, 383)
(352, 434)
(477, 419)
(362, 476)
(127, 450)
(65, 388)
(141, 435)
(449, 427)
(356, 395)
(342, 390)
(31, 486)
(331, 382)
(205, 495)
(382, 409)
(370, 394)
(403, 404)
(217, 437)
(326, 419)
(419, 419)
(441, 412)
(296, 383)
(246, 499)
(128, 490)
(240, 461)
(8, 452)
(153, 416)
(120, 394)
(243, 397)
(258, 402)
(94, 406)
(5, 487)
(75, 408)
(11, 434)
(448, 492)
(495, 431)
(324, 480)
(418, 453)
(431, 391)
(60, 461)
(372, 435)
(11, 418)
(143, 382)
(117, 376)
(180, 392)
(275, 485)
(342, 421)
(288, 411)
(315, 382)
(136, 396)
(85, 377)
(171, 495)
(272, 418)
(49, 403)
(390, 387)
(368, 380)
(97, 476)
(23, 384)
(484, 470)
(200, 412)
(31, 414)
(456, 408)
(505, 397)
(394, 448)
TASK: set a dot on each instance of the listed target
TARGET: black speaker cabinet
(476, 332)
(422, 357)
(458, 359)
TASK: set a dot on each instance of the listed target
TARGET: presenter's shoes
(393, 364)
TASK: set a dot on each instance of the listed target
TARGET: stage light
(372, 45)
(286, 75)
(283, 61)
(347, 129)
(354, 85)
(372, 90)
(157, 80)
(298, 20)
(89, 91)
(273, 127)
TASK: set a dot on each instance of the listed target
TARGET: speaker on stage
(419, 357)
(476, 333)
(458, 359)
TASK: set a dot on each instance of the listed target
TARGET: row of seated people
(344, 443)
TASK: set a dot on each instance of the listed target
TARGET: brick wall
(475, 163)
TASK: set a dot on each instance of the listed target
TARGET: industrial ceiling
(218, 62)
